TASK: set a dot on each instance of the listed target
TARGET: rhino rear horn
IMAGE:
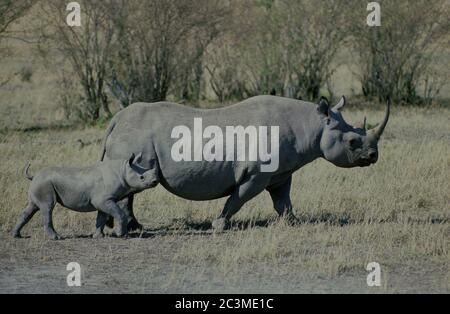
(362, 125)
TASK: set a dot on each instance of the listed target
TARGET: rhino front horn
(378, 131)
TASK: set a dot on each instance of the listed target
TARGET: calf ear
(138, 159)
(131, 159)
(323, 108)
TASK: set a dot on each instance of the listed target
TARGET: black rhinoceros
(306, 131)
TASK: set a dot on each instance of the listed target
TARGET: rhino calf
(87, 189)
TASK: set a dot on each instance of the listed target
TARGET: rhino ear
(137, 159)
(323, 107)
(340, 105)
(131, 159)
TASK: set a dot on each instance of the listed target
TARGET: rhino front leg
(111, 208)
(242, 194)
(133, 224)
(281, 199)
(127, 206)
(100, 223)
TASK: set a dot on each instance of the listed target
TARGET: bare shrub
(164, 51)
(286, 47)
(396, 56)
(223, 66)
(10, 12)
(312, 35)
(86, 48)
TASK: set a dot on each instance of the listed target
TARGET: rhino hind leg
(280, 194)
(26, 216)
(47, 213)
(242, 194)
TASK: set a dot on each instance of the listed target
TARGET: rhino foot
(110, 222)
(98, 235)
(219, 224)
(54, 236)
(133, 225)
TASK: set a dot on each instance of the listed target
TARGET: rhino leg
(242, 194)
(133, 224)
(127, 206)
(100, 223)
(27, 214)
(47, 213)
(281, 200)
(111, 208)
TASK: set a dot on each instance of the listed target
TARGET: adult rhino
(307, 131)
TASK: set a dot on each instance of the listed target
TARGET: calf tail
(27, 175)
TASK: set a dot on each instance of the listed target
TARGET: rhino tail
(110, 128)
(27, 175)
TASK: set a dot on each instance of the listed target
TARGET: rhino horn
(378, 131)
(340, 105)
(362, 125)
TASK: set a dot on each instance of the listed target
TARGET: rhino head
(138, 177)
(344, 145)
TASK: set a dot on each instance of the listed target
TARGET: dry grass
(396, 213)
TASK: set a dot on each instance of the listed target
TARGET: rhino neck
(308, 134)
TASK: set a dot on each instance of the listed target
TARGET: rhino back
(72, 186)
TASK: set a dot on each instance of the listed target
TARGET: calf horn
(376, 132)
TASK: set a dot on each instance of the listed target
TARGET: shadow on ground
(190, 227)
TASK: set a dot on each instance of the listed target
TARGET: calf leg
(281, 199)
(243, 193)
(47, 214)
(100, 223)
(27, 214)
(111, 208)
(45, 197)
(127, 206)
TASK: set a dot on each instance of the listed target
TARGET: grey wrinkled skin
(307, 131)
(98, 187)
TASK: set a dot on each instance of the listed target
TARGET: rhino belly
(198, 182)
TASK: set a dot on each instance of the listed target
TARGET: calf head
(344, 145)
(138, 177)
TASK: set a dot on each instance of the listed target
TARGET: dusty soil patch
(151, 265)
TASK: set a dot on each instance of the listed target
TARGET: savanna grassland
(395, 213)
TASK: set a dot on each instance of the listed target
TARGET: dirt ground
(146, 265)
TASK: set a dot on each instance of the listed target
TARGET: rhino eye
(352, 142)
(141, 177)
